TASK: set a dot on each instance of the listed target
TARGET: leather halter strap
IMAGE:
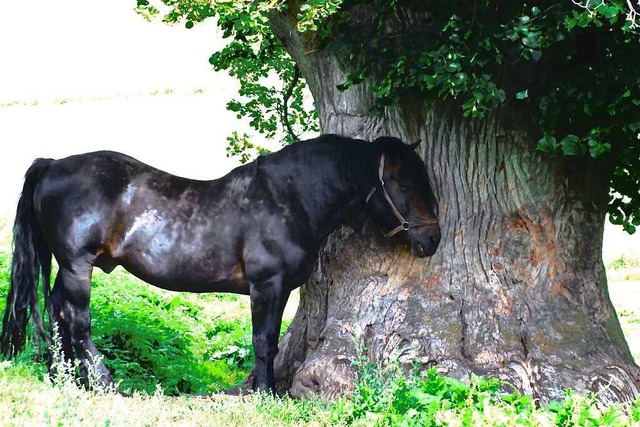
(404, 224)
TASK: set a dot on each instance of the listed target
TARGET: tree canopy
(569, 67)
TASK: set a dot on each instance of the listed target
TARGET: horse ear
(415, 144)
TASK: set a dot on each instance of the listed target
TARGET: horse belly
(187, 270)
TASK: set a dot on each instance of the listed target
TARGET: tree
(531, 116)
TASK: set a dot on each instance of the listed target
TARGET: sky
(72, 76)
(69, 48)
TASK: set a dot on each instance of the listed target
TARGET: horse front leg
(268, 299)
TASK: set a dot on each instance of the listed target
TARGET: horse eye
(406, 188)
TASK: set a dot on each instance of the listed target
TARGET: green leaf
(548, 144)
(522, 94)
(453, 66)
(615, 218)
(598, 149)
(631, 229)
(531, 39)
(512, 35)
(585, 19)
(572, 145)
(609, 11)
(175, 302)
(536, 55)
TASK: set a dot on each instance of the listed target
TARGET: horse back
(163, 228)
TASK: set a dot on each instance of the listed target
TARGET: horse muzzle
(425, 245)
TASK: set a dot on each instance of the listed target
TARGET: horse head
(401, 199)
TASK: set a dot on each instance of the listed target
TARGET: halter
(404, 224)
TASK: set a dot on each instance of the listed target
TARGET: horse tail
(30, 255)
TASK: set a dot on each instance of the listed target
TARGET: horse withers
(255, 231)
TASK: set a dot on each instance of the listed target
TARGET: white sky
(70, 48)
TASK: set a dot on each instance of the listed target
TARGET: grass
(381, 398)
(29, 400)
(63, 101)
(623, 273)
(624, 268)
(158, 344)
(166, 347)
(152, 338)
(390, 398)
(147, 336)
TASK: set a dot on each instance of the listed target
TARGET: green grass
(381, 398)
(166, 347)
(624, 268)
(390, 398)
(28, 400)
(153, 338)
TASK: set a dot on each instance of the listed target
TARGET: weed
(386, 397)
(64, 373)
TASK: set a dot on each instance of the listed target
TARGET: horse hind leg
(72, 293)
(58, 326)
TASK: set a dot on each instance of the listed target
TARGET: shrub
(151, 337)
(387, 397)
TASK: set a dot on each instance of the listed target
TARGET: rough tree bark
(517, 288)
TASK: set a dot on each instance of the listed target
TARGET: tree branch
(633, 14)
(285, 102)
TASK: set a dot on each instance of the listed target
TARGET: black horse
(256, 231)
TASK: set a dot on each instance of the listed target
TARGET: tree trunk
(517, 288)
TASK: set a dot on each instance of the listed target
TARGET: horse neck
(339, 182)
